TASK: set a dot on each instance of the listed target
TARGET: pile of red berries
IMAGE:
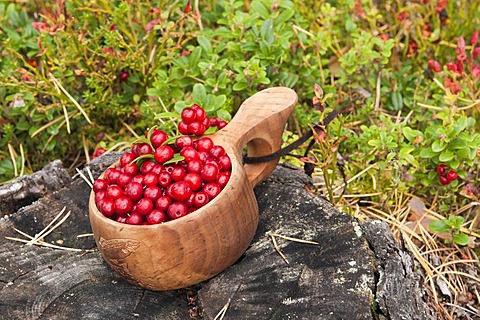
(195, 121)
(157, 181)
(446, 177)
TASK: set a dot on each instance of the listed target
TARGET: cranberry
(134, 218)
(100, 184)
(443, 180)
(214, 122)
(111, 175)
(441, 169)
(200, 199)
(146, 167)
(188, 115)
(144, 206)
(124, 76)
(107, 207)
(451, 175)
(178, 173)
(204, 144)
(163, 203)
(157, 169)
(164, 179)
(152, 193)
(203, 155)
(212, 189)
(179, 191)
(183, 141)
(209, 172)
(136, 149)
(138, 178)
(134, 190)
(177, 210)
(194, 180)
(144, 148)
(200, 114)
(100, 195)
(98, 152)
(189, 153)
(206, 122)
(158, 137)
(163, 154)
(222, 124)
(156, 216)
(130, 169)
(123, 205)
(183, 128)
(217, 151)
(114, 191)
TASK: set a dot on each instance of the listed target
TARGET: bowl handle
(259, 124)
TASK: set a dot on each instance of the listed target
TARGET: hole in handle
(257, 172)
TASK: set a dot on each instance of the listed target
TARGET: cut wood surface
(352, 271)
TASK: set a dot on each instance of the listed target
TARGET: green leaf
(164, 115)
(239, 86)
(438, 146)
(205, 44)
(439, 226)
(455, 221)
(199, 94)
(284, 16)
(461, 239)
(428, 153)
(411, 134)
(446, 156)
(397, 100)
(224, 114)
(261, 9)
(176, 158)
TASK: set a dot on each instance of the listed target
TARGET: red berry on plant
(197, 128)
(124, 76)
(163, 153)
(189, 153)
(451, 175)
(222, 124)
(144, 148)
(443, 180)
(127, 158)
(158, 137)
(130, 169)
(183, 128)
(441, 169)
(183, 141)
(146, 167)
(188, 115)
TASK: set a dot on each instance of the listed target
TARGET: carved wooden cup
(194, 248)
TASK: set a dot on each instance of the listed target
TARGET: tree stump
(355, 271)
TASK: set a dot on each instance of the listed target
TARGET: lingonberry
(177, 210)
(214, 122)
(451, 175)
(183, 128)
(123, 205)
(152, 193)
(131, 169)
(194, 166)
(150, 179)
(156, 216)
(441, 169)
(123, 179)
(197, 128)
(121, 219)
(224, 162)
(144, 206)
(163, 153)
(98, 152)
(188, 115)
(107, 207)
(111, 175)
(144, 148)
(163, 203)
(222, 124)
(134, 218)
(100, 195)
(100, 184)
(134, 190)
(217, 151)
(127, 158)
(114, 191)
(158, 137)
(183, 141)
(189, 153)
(194, 180)
(138, 178)
(443, 180)
(203, 155)
(164, 179)
(204, 144)
(178, 173)
(157, 169)
(179, 191)
(200, 199)
(199, 114)
(223, 178)
(146, 167)
(209, 172)
(124, 76)
(212, 189)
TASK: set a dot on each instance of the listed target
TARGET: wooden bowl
(194, 248)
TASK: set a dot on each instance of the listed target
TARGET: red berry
(214, 122)
(441, 169)
(177, 210)
(146, 167)
(130, 169)
(123, 179)
(163, 203)
(179, 191)
(98, 152)
(150, 179)
(204, 144)
(123, 205)
(209, 172)
(152, 193)
(111, 175)
(156, 216)
(134, 218)
(194, 166)
(222, 124)
(224, 162)
(100, 184)
(189, 153)
(178, 173)
(107, 207)
(163, 154)
(114, 192)
(199, 114)
(212, 189)
(144, 148)
(194, 180)
(100, 195)
(223, 178)
(203, 155)
(126, 158)
(443, 180)
(158, 137)
(144, 206)
(138, 179)
(188, 115)
(121, 219)
(183, 141)
(157, 169)
(164, 179)
(200, 199)
(206, 122)
(183, 128)
(451, 175)
(196, 128)
(134, 190)
(124, 76)
(217, 151)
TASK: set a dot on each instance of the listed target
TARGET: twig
(277, 248)
(45, 244)
(223, 311)
(46, 231)
(84, 178)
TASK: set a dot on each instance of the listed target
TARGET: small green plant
(451, 225)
